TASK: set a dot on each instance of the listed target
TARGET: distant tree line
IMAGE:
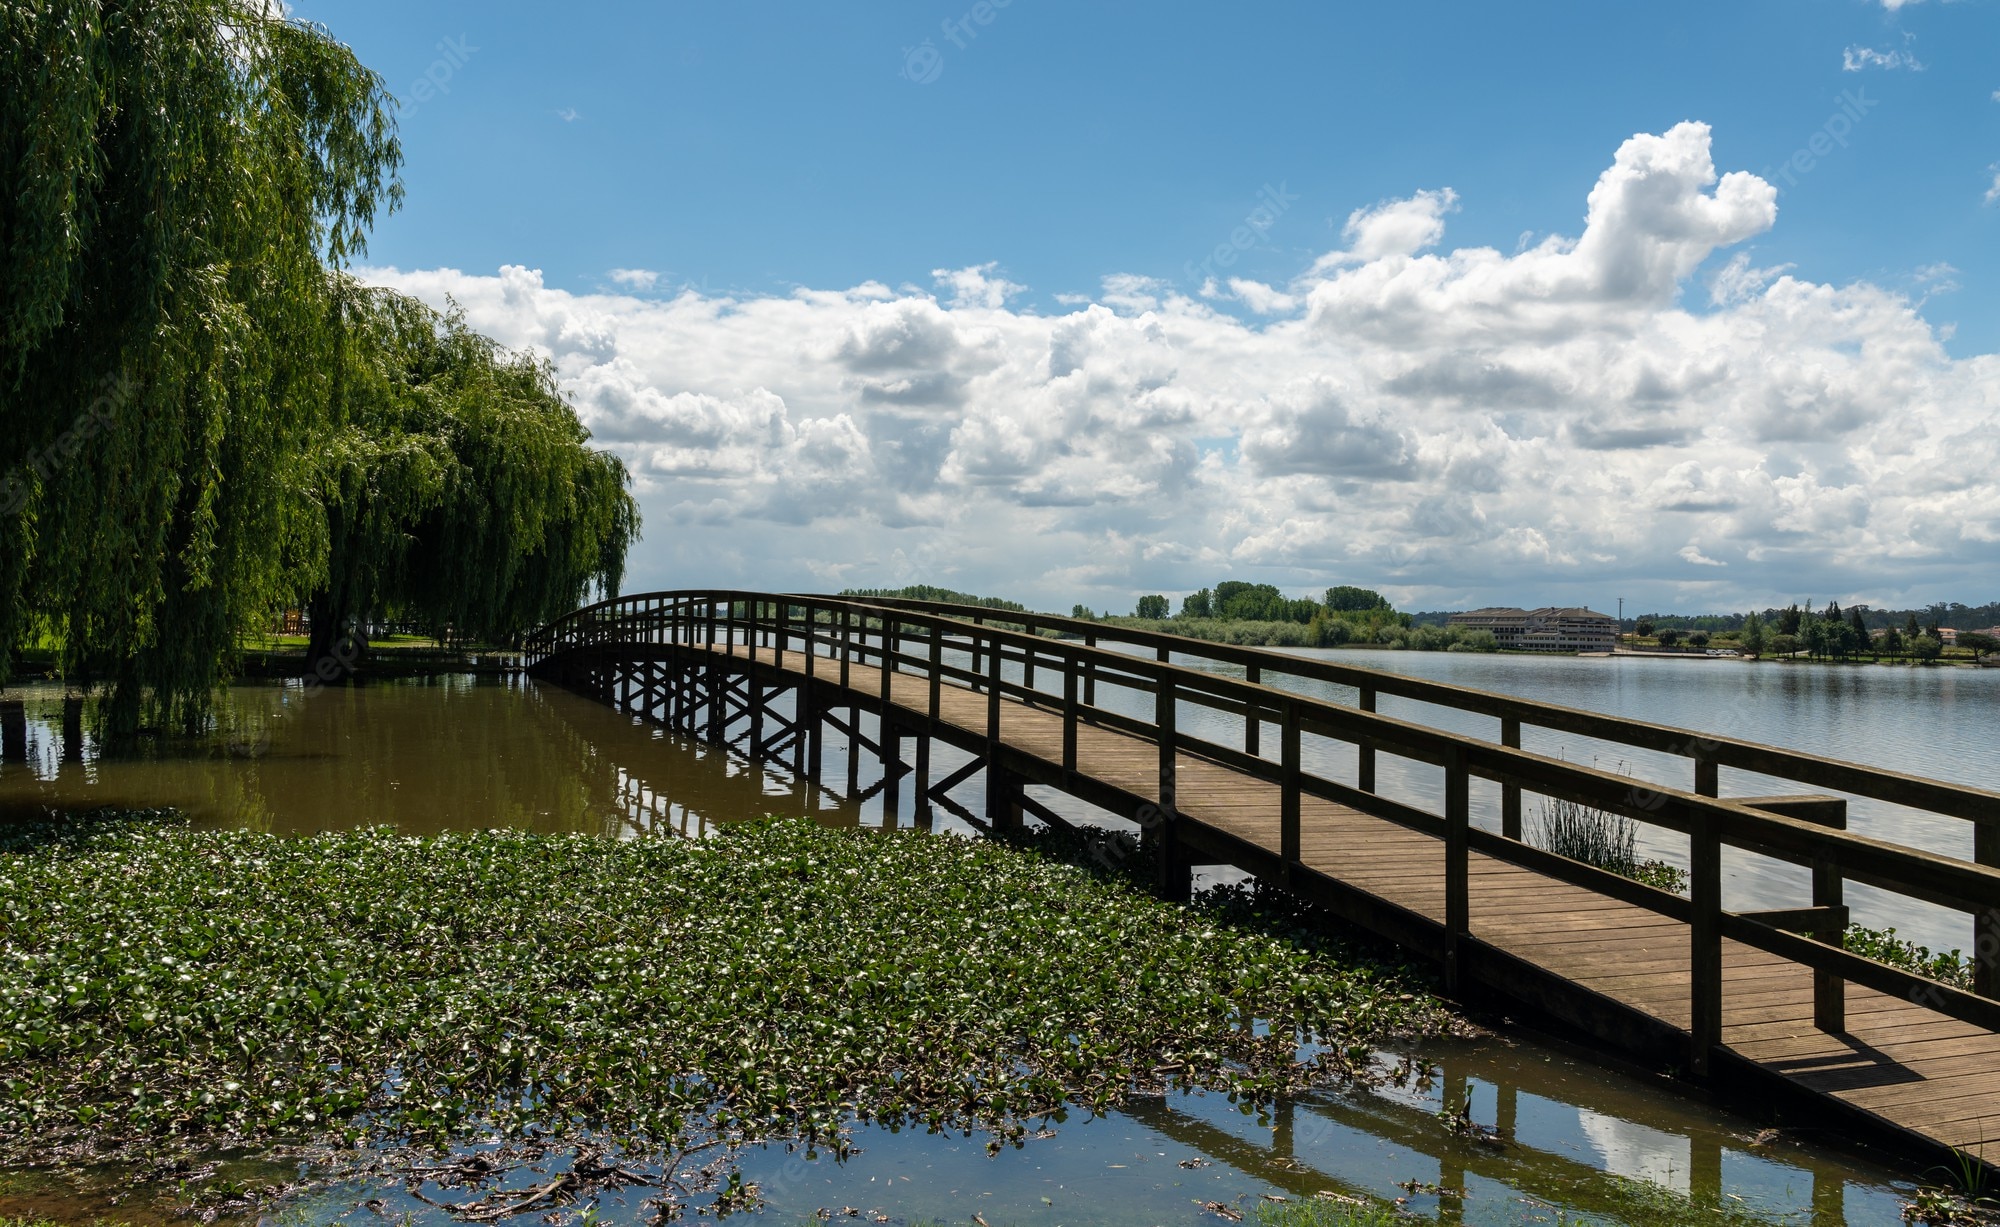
(943, 596)
(1235, 611)
(1829, 633)
(1937, 614)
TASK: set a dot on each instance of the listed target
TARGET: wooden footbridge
(1219, 764)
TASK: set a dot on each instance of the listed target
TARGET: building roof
(1545, 612)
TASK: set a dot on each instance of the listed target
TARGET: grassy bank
(166, 986)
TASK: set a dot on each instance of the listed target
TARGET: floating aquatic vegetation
(164, 985)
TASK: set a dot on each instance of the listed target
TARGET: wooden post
(1705, 937)
(1288, 804)
(853, 750)
(755, 690)
(890, 739)
(806, 634)
(1707, 778)
(815, 730)
(846, 642)
(1173, 877)
(72, 731)
(888, 673)
(13, 730)
(1510, 794)
(1986, 924)
(975, 650)
(1829, 988)
(1001, 808)
(1090, 674)
(1253, 724)
(921, 787)
(1457, 863)
(716, 722)
(1069, 714)
(1003, 798)
(937, 670)
(992, 703)
(1365, 755)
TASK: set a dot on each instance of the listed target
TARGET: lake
(451, 753)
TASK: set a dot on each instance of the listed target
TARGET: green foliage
(1346, 598)
(1924, 648)
(1755, 638)
(1330, 1211)
(1946, 967)
(178, 172)
(1153, 606)
(1198, 604)
(459, 493)
(944, 596)
(160, 982)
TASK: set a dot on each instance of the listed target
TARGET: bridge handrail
(1971, 804)
(1710, 821)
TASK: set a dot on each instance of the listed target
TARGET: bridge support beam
(1003, 797)
(14, 730)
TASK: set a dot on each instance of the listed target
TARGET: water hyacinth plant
(162, 985)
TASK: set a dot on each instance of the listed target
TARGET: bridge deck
(1910, 1068)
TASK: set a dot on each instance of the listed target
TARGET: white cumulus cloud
(1451, 425)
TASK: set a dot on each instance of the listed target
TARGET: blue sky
(747, 153)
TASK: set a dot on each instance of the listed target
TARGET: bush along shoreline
(167, 993)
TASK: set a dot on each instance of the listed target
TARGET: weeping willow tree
(459, 491)
(179, 174)
(203, 420)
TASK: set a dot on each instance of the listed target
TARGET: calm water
(440, 754)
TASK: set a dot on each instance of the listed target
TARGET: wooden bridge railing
(1007, 656)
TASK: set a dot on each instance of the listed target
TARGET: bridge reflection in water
(1763, 1002)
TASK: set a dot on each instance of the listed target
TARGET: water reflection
(425, 754)
(1573, 1130)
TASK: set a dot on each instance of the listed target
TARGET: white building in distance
(1550, 629)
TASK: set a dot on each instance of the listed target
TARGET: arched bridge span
(1221, 765)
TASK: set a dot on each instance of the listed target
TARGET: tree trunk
(336, 645)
